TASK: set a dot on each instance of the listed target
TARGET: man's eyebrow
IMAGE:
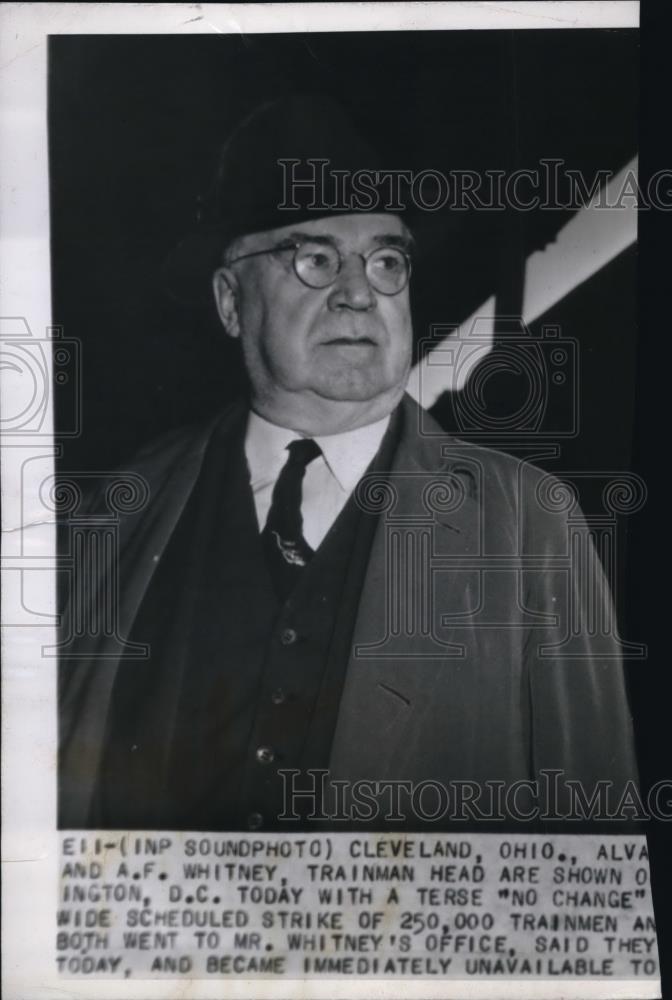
(314, 238)
(406, 243)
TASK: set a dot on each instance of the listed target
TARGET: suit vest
(237, 687)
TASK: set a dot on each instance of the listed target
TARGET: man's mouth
(351, 342)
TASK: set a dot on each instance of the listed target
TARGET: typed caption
(148, 905)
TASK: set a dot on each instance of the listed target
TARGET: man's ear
(225, 285)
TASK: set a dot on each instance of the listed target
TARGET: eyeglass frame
(296, 245)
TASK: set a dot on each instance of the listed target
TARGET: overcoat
(485, 647)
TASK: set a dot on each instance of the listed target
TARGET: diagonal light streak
(591, 239)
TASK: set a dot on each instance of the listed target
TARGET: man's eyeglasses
(317, 264)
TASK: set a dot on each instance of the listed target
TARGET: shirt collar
(266, 449)
(348, 454)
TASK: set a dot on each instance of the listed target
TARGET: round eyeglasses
(318, 264)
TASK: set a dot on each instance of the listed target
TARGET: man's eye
(318, 260)
(389, 262)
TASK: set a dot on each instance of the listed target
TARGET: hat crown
(281, 165)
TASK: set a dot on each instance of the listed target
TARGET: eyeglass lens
(318, 264)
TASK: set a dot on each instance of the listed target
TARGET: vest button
(254, 821)
(264, 755)
(288, 636)
(278, 697)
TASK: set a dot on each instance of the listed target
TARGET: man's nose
(352, 290)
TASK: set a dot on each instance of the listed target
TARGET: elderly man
(324, 581)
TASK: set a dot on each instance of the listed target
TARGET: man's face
(343, 343)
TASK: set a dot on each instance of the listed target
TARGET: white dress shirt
(329, 480)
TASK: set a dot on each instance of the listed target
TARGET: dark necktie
(287, 551)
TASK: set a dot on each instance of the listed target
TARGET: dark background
(135, 125)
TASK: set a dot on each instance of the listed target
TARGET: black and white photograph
(349, 670)
(320, 580)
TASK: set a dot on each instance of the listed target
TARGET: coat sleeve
(88, 662)
(582, 744)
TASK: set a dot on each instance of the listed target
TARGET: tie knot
(303, 451)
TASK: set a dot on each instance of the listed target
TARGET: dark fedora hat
(290, 160)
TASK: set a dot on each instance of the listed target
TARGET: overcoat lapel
(403, 641)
